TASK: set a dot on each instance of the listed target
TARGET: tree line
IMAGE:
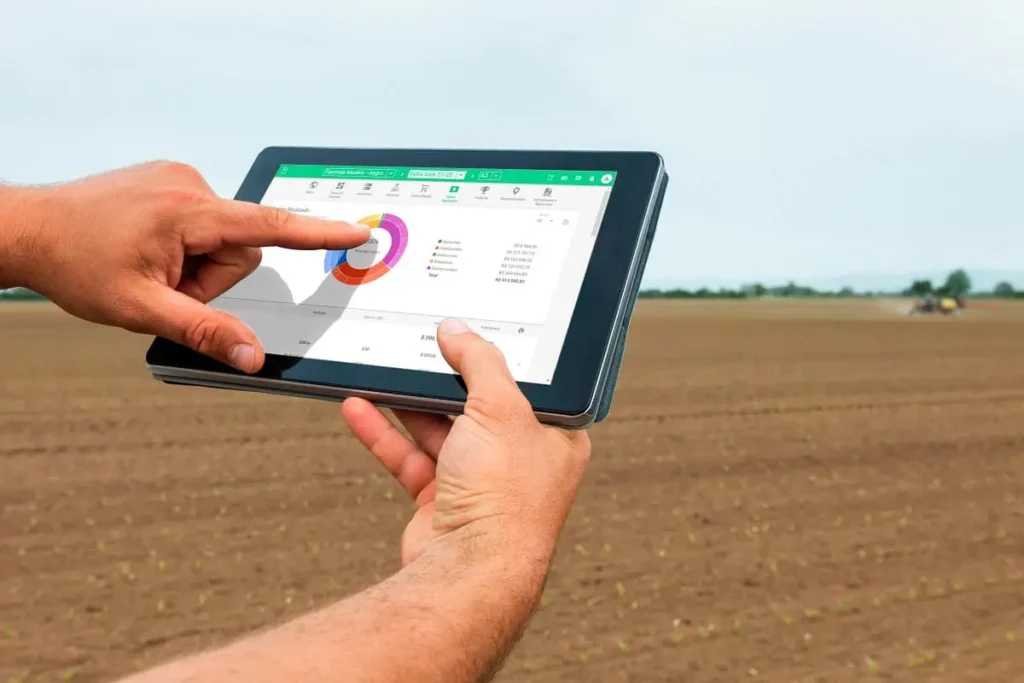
(957, 284)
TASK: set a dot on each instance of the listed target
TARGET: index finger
(253, 225)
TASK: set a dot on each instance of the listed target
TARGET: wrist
(24, 224)
(468, 600)
(495, 552)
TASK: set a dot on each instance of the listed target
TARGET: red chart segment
(394, 226)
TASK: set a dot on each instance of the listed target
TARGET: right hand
(147, 248)
(493, 477)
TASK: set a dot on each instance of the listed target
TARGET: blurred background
(798, 480)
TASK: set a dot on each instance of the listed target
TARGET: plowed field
(784, 492)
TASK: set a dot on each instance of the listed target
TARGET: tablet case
(605, 403)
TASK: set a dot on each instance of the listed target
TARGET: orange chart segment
(348, 275)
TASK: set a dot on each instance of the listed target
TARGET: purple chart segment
(395, 227)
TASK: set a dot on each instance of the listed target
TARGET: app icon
(424, 189)
(395, 188)
(339, 186)
(485, 189)
(515, 190)
(453, 188)
(367, 187)
(313, 185)
(547, 191)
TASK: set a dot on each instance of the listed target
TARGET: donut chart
(337, 264)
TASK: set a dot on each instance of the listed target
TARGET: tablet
(540, 252)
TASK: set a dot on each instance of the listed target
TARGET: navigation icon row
(415, 189)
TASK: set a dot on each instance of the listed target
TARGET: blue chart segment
(334, 258)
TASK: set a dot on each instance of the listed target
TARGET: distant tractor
(933, 305)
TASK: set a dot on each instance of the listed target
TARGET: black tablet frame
(592, 327)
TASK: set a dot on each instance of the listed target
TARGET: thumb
(204, 329)
(483, 368)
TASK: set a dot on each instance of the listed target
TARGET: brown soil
(784, 492)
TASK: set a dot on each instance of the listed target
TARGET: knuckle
(156, 165)
(182, 169)
(583, 450)
(277, 219)
(178, 211)
(202, 335)
(494, 411)
(173, 199)
(576, 444)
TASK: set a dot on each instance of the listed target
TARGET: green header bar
(448, 175)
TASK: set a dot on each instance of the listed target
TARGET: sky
(804, 139)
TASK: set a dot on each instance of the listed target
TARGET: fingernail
(452, 326)
(242, 356)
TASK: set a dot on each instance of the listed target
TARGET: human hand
(493, 477)
(147, 247)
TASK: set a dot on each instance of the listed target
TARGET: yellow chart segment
(371, 221)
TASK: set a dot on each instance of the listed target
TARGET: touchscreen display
(505, 250)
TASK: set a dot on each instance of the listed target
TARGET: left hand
(147, 247)
(492, 483)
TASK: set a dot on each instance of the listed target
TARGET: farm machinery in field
(933, 305)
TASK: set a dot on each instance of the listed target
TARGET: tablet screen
(505, 250)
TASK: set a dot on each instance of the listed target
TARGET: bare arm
(492, 491)
(450, 616)
(146, 249)
(20, 210)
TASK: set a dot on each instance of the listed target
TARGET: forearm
(451, 616)
(22, 227)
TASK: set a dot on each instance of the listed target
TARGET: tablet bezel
(595, 316)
